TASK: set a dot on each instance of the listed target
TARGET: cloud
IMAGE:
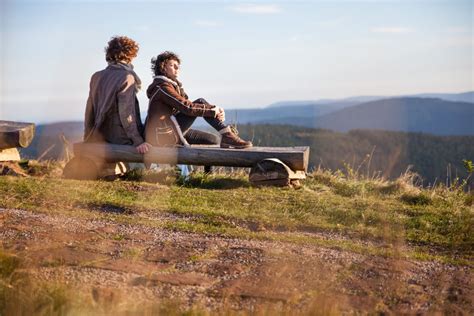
(257, 8)
(393, 30)
(206, 23)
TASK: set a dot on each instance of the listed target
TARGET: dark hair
(121, 48)
(158, 62)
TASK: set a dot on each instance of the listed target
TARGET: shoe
(231, 140)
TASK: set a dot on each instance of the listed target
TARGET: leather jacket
(166, 99)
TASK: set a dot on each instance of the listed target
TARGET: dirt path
(117, 264)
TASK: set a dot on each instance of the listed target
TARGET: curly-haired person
(171, 113)
(112, 110)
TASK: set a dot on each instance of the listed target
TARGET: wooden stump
(273, 172)
(80, 168)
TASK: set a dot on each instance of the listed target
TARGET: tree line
(386, 153)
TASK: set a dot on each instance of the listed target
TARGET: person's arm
(170, 97)
(126, 110)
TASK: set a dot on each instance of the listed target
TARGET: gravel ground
(131, 265)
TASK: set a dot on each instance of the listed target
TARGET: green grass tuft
(416, 198)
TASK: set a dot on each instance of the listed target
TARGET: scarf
(129, 68)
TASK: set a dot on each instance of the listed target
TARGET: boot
(231, 140)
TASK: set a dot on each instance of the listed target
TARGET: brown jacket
(112, 111)
(168, 98)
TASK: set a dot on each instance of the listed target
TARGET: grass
(224, 204)
(369, 216)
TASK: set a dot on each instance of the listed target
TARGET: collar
(128, 67)
(174, 83)
(121, 64)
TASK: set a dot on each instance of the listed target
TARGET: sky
(235, 54)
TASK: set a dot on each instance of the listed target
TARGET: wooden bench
(269, 165)
(12, 136)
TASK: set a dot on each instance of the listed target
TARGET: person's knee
(201, 101)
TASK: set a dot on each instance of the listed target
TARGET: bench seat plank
(16, 134)
(294, 157)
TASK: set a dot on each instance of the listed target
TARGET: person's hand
(220, 114)
(143, 148)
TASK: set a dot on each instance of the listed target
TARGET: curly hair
(121, 48)
(158, 62)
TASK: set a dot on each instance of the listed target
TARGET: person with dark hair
(171, 113)
(112, 110)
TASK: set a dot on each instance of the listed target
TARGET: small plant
(133, 253)
(46, 168)
(470, 170)
(458, 185)
(469, 200)
(469, 166)
(216, 181)
(420, 198)
(119, 237)
(347, 189)
(162, 176)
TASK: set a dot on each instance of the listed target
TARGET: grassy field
(343, 212)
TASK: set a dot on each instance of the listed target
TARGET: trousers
(194, 136)
(197, 137)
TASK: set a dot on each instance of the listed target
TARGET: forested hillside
(390, 153)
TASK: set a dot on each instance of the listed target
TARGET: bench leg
(273, 172)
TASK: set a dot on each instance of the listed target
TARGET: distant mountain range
(427, 115)
(459, 97)
(440, 114)
(463, 97)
